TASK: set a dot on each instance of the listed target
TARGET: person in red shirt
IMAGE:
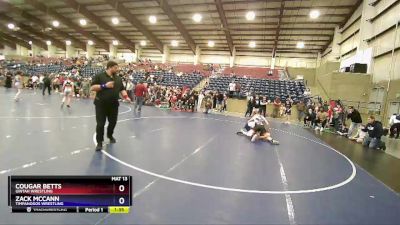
(140, 92)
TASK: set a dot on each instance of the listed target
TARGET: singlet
(67, 86)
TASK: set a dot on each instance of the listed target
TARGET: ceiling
(277, 27)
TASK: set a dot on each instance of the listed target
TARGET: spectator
(301, 107)
(140, 93)
(375, 132)
(394, 123)
(232, 88)
(277, 105)
(249, 107)
(321, 120)
(356, 121)
(309, 119)
(263, 106)
(237, 88)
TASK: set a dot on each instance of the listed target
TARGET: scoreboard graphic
(70, 194)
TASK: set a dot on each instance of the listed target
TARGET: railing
(365, 107)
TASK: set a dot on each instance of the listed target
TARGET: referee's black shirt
(108, 96)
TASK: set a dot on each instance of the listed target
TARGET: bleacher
(253, 72)
(171, 79)
(88, 71)
(263, 87)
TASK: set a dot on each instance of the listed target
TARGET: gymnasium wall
(307, 73)
(348, 86)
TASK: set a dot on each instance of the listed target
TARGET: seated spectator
(375, 131)
(310, 117)
(321, 120)
(394, 123)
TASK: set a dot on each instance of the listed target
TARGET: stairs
(202, 83)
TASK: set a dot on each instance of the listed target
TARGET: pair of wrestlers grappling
(257, 128)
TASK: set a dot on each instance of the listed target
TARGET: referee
(107, 86)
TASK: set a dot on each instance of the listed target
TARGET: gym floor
(191, 168)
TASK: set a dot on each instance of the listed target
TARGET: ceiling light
(115, 20)
(252, 44)
(314, 14)
(153, 19)
(56, 23)
(174, 43)
(90, 42)
(11, 26)
(197, 17)
(251, 15)
(211, 44)
(30, 42)
(83, 22)
(300, 44)
(48, 42)
(68, 42)
(143, 43)
(115, 42)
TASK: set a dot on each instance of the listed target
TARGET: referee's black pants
(103, 112)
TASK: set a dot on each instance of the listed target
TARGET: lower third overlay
(70, 194)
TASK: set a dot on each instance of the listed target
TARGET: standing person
(68, 88)
(46, 84)
(232, 88)
(288, 109)
(249, 107)
(35, 80)
(8, 80)
(200, 101)
(140, 92)
(18, 85)
(356, 122)
(263, 106)
(277, 106)
(107, 86)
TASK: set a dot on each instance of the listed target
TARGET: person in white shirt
(394, 123)
(18, 85)
(68, 90)
(232, 87)
(35, 80)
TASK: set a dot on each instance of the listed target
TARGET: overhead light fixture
(30, 42)
(143, 43)
(152, 19)
(11, 26)
(211, 44)
(314, 14)
(252, 44)
(90, 42)
(68, 42)
(251, 15)
(115, 42)
(174, 43)
(115, 20)
(197, 17)
(56, 23)
(83, 22)
(300, 44)
(48, 42)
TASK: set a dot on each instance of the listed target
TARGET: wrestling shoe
(274, 142)
(112, 140)
(99, 146)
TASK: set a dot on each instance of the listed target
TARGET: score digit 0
(121, 188)
(121, 201)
